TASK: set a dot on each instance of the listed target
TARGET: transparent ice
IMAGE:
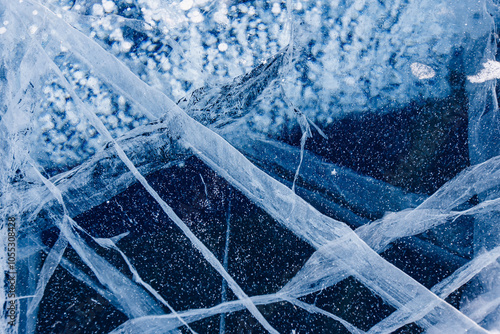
(170, 166)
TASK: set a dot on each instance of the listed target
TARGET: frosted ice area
(230, 166)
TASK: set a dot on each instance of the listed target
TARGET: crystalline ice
(227, 211)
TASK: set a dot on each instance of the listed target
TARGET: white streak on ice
(222, 322)
(351, 255)
(462, 275)
(314, 309)
(110, 243)
(413, 312)
(134, 301)
(96, 122)
(307, 222)
(154, 324)
(207, 254)
(437, 209)
(49, 266)
(483, 305)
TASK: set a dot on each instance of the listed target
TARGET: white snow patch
(422, 71)
(490, 71)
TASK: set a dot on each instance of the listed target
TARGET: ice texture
(169, 168)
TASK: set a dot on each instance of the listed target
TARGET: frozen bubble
(221, 16)
(222, 47)
(125, 46)
(113, 121)
(359, 5)
(33, 29)
(151, 64)
(350, 80)
(79, 75)
(196, 16)
(165, 65)
(490, 71)
(242, 8)
(47, 123)
(186, 4)
(122, 101)
(3, 30)
(64, 48)
(422, 71)
(97, 10)
(108, 6)
(93, 83)
(116, 35)
(104, 106)
(35, 12)
(72, 117)
(58, 138)
(276, 8)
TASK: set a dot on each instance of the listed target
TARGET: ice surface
(137, 214)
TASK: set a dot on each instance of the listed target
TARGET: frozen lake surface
(291, 166)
